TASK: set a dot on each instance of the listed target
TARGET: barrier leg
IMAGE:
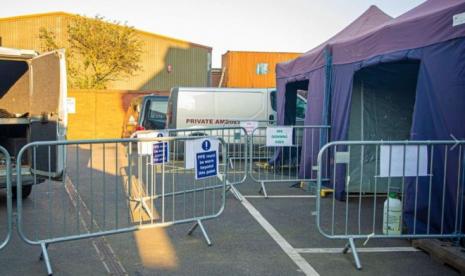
(346, 248)
(146, 208)
(235, 192)
(44, 257)
(202, 228)
(351, 245)
(263, 189)
(140, 203)
(192, 228)
(297, 185)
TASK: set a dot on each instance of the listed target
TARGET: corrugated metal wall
(241, 68)
(189, 65)
(23, 31)
(190, 62)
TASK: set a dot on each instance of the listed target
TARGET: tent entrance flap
(294, 105)
(382, 106)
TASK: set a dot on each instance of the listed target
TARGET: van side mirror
(271, 117)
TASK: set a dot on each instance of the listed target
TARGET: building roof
(260, 52)
(61, 13)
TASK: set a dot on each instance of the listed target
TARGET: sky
(247, 25)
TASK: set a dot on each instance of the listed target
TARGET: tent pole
(327, 98)
(362, 119)
(324, 135)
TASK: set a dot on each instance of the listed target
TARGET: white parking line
(285, 246)
(360, 250)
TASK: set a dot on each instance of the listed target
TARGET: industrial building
(243, 69)
(166, 62)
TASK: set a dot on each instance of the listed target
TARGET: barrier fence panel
(285, 154)
(395, 189)
(119, 185)
(235, 140)
(7, 213)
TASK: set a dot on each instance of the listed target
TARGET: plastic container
(392, 214)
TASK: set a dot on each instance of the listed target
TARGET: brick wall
(99, 113)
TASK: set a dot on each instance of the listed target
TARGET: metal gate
(395, 189)
(236, 145)
(7, 211)
(114, 186)
(278, 164)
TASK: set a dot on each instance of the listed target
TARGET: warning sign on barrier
(160, 153)
(278, 136)
(146, 148)
(206, 158)
(249, 126)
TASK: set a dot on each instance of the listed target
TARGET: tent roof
(371, 18)
(427, 24)
(375, 33)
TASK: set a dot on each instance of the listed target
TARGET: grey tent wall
(382, 106)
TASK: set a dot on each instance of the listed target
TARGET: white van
(216, 107)
(33, 94)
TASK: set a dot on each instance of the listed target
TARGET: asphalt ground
(258, 236)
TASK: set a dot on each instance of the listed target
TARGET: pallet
(443, 252)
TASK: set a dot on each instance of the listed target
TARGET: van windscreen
(155, 116)
(157, 106)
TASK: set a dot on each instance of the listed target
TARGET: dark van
(145, 113)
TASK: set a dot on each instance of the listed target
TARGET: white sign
(458, 19)
(342, 157)
(416, 161)
(160, 153)
(249, 126)
(71, 105)
(192, 147)
(189, 154)
(278, 136)
(146, 148)
(206, 158)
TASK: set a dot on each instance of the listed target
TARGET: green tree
(97, 51)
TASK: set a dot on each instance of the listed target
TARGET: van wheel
(25, 192)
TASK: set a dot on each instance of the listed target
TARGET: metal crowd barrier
(235, 140)
(115, 186)
(7, 214)
(424, 180)
(238, 122)
(261, 123)
(274, 164)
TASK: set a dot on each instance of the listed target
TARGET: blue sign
(206, 162)
(206, 145)
(160, 153)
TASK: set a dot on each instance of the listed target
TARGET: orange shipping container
(252, 69)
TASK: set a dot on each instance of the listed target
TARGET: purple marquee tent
(311, 65)
(308, 72)
(424, 47)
